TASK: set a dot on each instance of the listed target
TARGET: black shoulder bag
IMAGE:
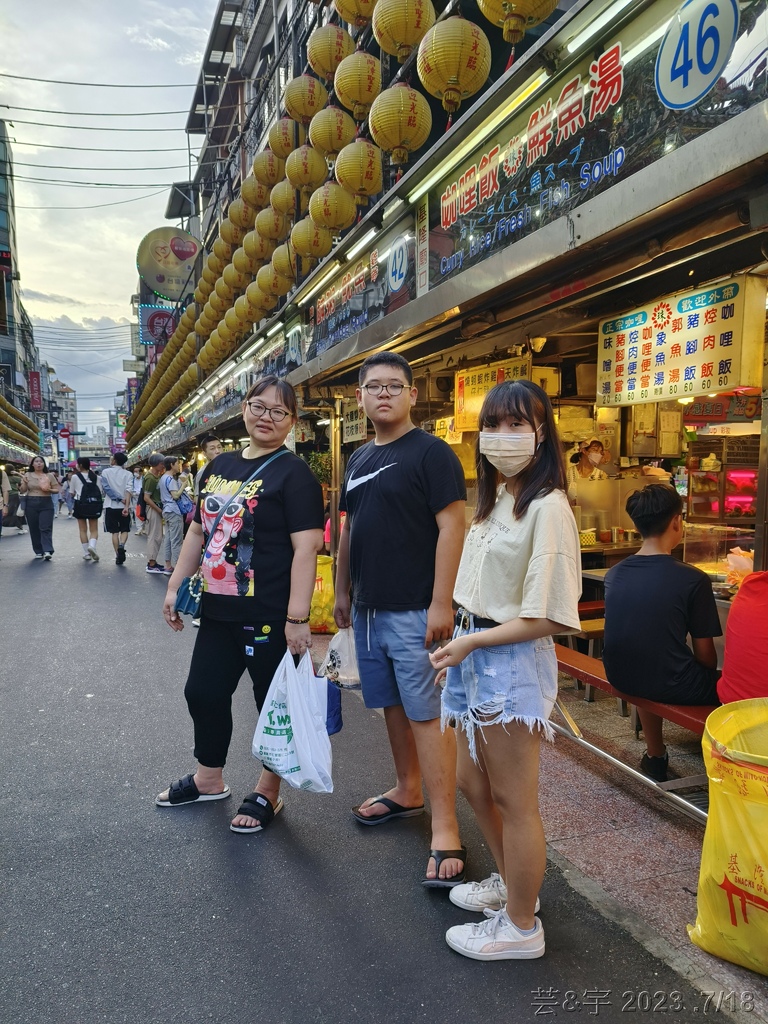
(191, 587)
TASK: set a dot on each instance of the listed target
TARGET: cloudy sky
(77, 266)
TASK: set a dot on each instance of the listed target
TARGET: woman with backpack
(88, 504)
(38, 486)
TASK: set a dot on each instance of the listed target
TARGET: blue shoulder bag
(191, 587)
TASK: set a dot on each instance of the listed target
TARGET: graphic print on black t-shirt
(247, 565)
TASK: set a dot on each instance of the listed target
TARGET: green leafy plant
(320, 464)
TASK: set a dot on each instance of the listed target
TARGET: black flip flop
(186, 792)
(446, 883)
(257, 806)
(394, 810)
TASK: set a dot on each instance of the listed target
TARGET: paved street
(118, 912)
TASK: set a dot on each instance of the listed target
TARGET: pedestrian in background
(88, 503)
(39, 486)
(211, 446)
(15, 516)
(5, 490)
(117, 484)
(138, 485)
(172, 484)
(154, 511)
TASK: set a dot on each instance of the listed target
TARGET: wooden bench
(591, 672)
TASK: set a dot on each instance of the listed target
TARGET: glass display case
(727, 495)
(708, 546)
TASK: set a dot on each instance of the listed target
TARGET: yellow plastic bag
(321, 611)
(732, 918)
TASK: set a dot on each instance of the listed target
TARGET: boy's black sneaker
(120, 555)
(655, 767)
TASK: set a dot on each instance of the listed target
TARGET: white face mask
(595, 458)
(509, 453)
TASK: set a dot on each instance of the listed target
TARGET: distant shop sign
(473, 385)
(684, 345)
(355, 426)
(604, 119)
(132, 393)
(156, 324)
(372, 286)
(35, 391)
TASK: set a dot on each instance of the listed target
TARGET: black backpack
(90, 503)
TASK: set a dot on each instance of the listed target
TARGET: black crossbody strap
(253, 476)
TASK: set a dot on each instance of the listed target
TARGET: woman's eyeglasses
(258, 409)
(391, 389)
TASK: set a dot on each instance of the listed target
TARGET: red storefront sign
(35, 391)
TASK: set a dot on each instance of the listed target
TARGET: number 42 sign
(695, 50)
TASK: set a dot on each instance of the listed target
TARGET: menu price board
(473, 385)
(683, 345)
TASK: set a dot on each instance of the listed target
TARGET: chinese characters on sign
(473, 385)
(156, 324)
(35, 391)
(683, 345)
(355, 426)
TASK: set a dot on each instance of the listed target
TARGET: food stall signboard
(473, 385)
(355, 422)
(683, 345)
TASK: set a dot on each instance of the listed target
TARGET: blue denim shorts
(497, 685)
(394, 665)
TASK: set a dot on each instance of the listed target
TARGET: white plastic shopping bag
(291, 738)
(340, 663)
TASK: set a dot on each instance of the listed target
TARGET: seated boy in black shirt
(652, 603)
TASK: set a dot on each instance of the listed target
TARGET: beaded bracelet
(296, 622)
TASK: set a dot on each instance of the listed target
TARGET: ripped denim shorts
(497, 685)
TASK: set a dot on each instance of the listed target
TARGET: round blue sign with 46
(695, 50)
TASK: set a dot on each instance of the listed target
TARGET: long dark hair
(523, 400)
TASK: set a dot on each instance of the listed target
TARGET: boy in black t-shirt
(652, 604)
(399, 551)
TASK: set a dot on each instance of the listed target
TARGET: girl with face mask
(518, 583)
(585, 466)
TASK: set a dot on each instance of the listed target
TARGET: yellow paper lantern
(210, 313)
(284, 261)
(215, 264)
(310, 240)
(254, 193)
(355, 12)
(326, 49)
(272, 225)
(286, 135)
(306, 169)
(454, 61)
(271, 282)
(224, 332)
(358, 169)
(241, 214)
(400, 121)
(515, 18)
(231, 233)
(357, 82)
(242, 310)
(400, 25)
(234, 323)
(332, 207)
(257, 247)
(222, 250)
(283, 199)
(224, 290)
(258, 298)
(303, 97)
(201, 330)
(244, 264)
(200, 295)
(330, 130)
(218, 303)
(234, 278)
(268, 168)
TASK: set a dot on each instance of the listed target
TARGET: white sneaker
(496, 938)
(87, 556)
(490, 894)
(94, 556)
(20, 529)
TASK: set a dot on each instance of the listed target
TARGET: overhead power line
(98, 206)
(96, 85)
(91, 113)
(92, 184)
(89, 127)
(111, 149)
(70, 167)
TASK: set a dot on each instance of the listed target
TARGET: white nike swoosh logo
(354, 482)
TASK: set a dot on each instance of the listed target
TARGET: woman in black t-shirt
(259, 573)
